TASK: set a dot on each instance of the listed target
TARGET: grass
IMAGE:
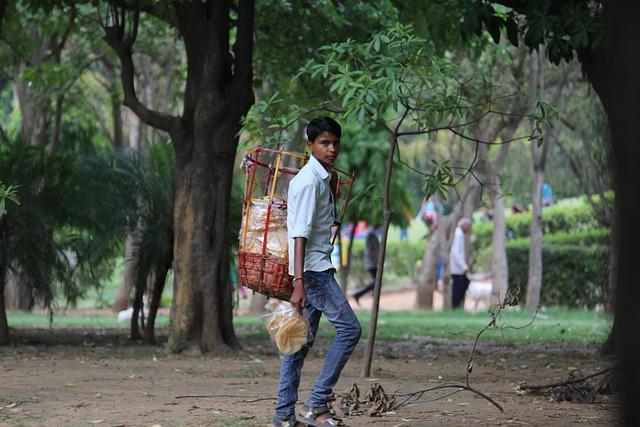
(553, 325)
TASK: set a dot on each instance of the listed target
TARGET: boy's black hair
(322, 124)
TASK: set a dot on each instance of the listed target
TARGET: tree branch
(63, 40)
(121, 43)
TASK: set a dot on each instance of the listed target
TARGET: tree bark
(426, 277)
(534, 282)
(203, 312)
(386, 215)
(613, 70)
(538, 161)
(499, 261)
(123, 297)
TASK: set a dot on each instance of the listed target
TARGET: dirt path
(108, 382)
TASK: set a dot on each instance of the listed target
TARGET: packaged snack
(288, 329)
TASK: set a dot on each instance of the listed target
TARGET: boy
(310, 215)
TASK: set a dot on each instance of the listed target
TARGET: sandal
(310, 419)
(287, 423)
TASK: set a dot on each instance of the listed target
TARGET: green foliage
(68, 223)
(572, 275)
(151, 217)
(401, 260)
(564, 27)
(555, 219)
(364, 152)
(7, 192)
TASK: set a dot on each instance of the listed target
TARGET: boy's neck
(328, 167)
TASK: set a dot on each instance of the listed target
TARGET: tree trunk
(217, 94)
(499, 262)
(34, 123)
(386, 215)
(346, 268)
(613, 70)
(426, 277)
(203, 296)
(538, 160)
(17, 295)
(160, 278)
(123, 297)
(116, 113)
(534, 282)
(4, 325)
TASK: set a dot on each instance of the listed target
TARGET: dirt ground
(71, 378)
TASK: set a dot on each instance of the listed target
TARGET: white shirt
(310, 214)
(457, 255)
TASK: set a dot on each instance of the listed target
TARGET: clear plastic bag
(288, 329)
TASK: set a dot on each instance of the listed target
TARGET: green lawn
(553, 325)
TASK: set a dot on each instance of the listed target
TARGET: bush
(400, 260)
(555, 219)
(594, 237)
(572, 275)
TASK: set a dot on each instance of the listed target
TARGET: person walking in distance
(458, 263)
(371, 251)
(310, 215)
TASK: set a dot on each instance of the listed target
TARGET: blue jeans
(324, 296)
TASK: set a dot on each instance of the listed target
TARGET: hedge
(555, 219)
(572, 275)
(481, 257)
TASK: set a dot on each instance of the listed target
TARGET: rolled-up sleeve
(301, 209)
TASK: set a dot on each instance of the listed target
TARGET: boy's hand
(298, 299)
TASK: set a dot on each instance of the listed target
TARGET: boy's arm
(298, 299)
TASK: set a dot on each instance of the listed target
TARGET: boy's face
(325, 147)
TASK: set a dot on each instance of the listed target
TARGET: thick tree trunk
(534, 282)
(218, 92)
(499, 262)
(34, 123)
(613, 70)
(203, 296)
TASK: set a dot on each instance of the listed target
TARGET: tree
(605, 42)
(151, 253)
(397, 81)
(67, 226)
(217, 94)
(364, 155)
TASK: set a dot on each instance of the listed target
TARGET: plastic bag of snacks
(288, 329)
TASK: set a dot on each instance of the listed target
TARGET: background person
(458, 263)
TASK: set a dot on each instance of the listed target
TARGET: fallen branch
(524, 386)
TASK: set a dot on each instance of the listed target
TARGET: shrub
(400, 260)
(555, 219)
(597, 236)
(572, 275)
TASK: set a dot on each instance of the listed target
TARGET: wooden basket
(262, 267)
(265, 274)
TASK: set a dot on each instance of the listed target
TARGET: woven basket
(265, 274)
